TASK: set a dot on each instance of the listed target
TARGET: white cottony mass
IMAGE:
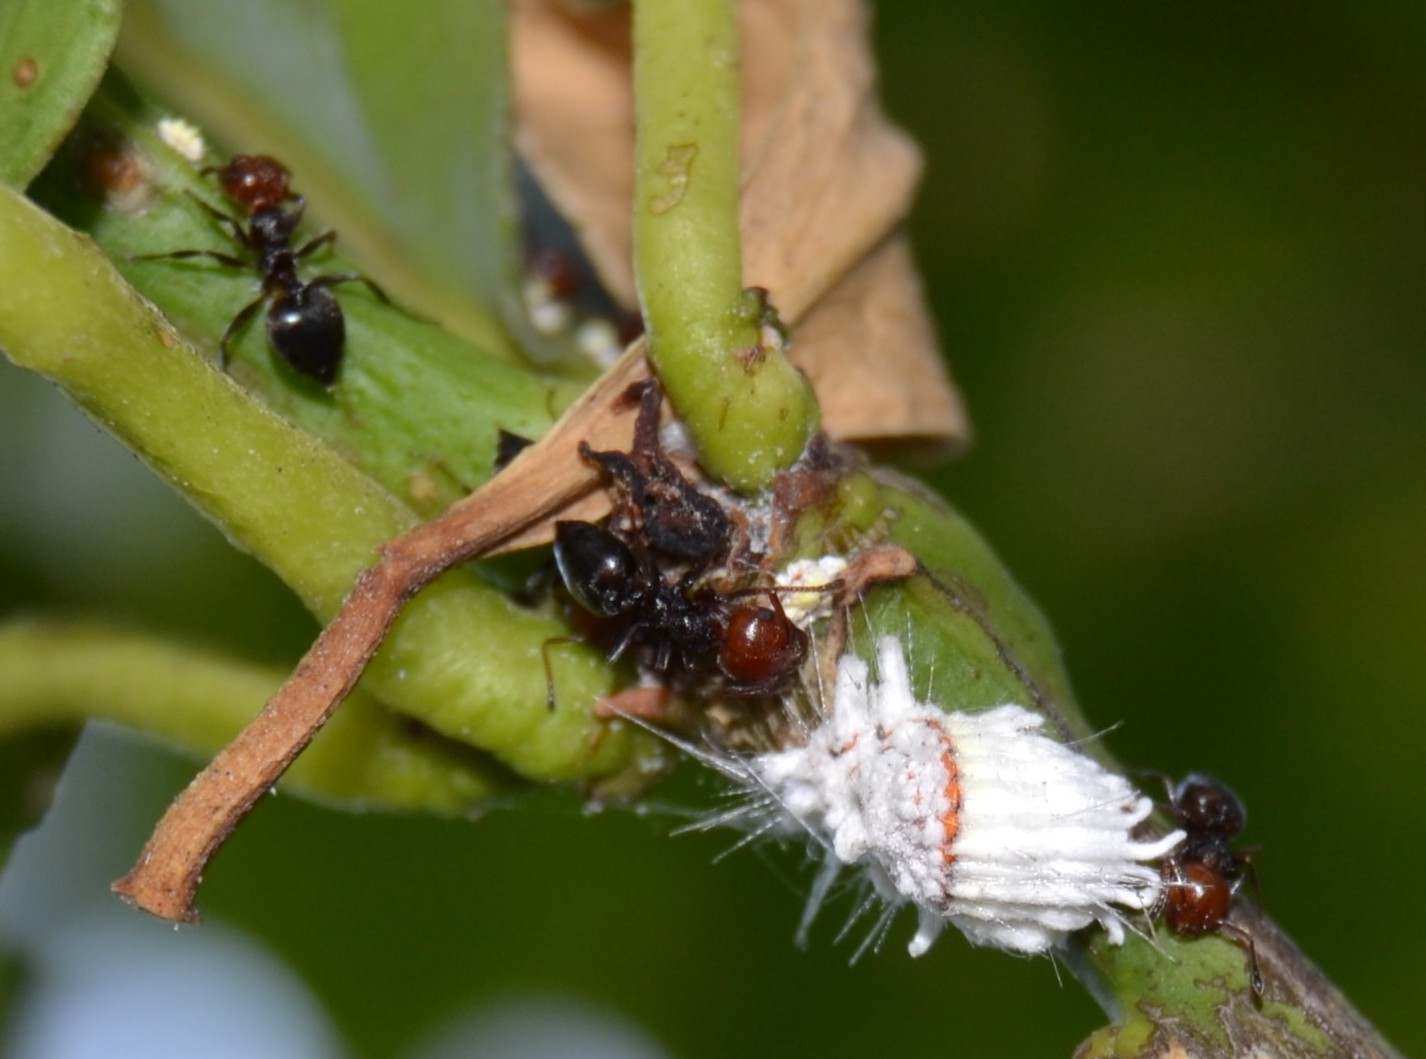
(978, 820)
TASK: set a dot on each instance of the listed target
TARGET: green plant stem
(749, 411)
(976, 638)
(59, 673)
(309, 515)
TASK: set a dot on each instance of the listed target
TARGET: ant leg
(1243, 938)
(549, 669)
(1243, 862)
(1159, 776)
(333, 279)
(624, 642)
(317, 242)
(244, 315)
(646, 424)
(236, 228)
(184, 255)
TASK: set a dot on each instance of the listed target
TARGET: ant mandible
(646, 569)
(1203, 875)
(305, 324)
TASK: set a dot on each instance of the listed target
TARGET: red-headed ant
(758, 648)
(648, 570)
(1203, 875)
(305, 324)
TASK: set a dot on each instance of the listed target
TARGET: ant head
(255, 181)
(761, 647)
(1196, 898)
(598, 568)
(1203, 805)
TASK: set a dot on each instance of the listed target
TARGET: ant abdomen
(597, 568)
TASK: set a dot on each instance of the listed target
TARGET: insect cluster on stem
(657, 572)
(977, 820)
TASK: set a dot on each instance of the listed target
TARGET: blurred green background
(1176, 255)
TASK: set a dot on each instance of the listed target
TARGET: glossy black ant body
(758, 648)
(305, 324)
(1203, 875)
(647, 570)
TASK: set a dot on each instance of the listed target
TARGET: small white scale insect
(184, 137)
(978, 820)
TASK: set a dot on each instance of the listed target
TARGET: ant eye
(597, 568)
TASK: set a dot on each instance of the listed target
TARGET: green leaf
(393, 119)
(30, 766)
(52, 55)
(438, 111)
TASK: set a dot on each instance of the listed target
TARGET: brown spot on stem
(26, 72)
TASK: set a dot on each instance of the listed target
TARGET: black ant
(647, 570)
(305, 324)
(758, 648)
(1203, 875)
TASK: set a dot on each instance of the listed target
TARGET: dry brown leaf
(574, 123)
(875, 319)
(552, 466)
(825, 175)
(825, 180)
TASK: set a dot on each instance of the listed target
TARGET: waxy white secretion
(979, 820)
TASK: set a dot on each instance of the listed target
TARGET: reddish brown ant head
(255, 181)
(1196, 897)
(761, 648)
